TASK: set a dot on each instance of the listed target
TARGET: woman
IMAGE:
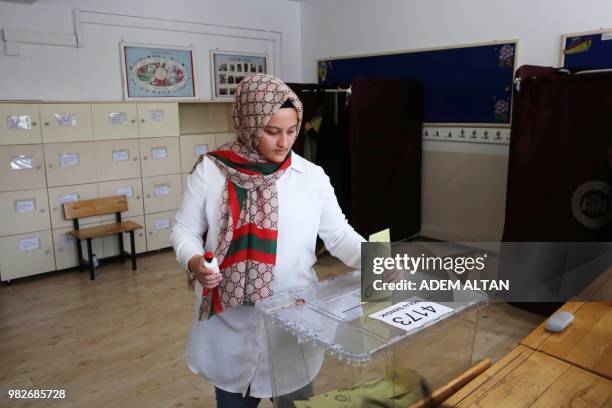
(262, 207)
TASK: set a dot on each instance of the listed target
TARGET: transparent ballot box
(328, 349)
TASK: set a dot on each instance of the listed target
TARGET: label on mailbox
(157, 115)
(65, 119)
(22, 162)
(69, 159)
(118, 118)
(121, 155)
(162, 224)
(159, 153)
(201, 149)
(125, 191)
(162, 189)
(19, 122)
(66, 198)
(25, 205)
(29, 244)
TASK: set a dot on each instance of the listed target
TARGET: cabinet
(159, 227)
(70, 122)
(192, 146)
(115, 121)
(24, 211)
(70, 163)
(26, 254)
(60, 195)
(117, 159)
(66, 255)
(223, 138)
(20, 124)
(159, 156)
(22, 167)
(158, 119)
(162, 193)
(131, 188)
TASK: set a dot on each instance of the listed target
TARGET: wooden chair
(100, 206)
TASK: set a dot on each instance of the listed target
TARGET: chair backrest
(97, 206)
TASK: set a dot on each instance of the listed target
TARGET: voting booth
(328, 349)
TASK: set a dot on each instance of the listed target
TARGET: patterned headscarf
(248, 220)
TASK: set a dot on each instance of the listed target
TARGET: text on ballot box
(411, 314)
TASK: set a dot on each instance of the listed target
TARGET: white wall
(464, 185)
(347, 27)
(93, 71)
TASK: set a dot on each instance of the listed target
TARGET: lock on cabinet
(22, 167)
(19, 124)
(70, 122)
(24, 211)
(115, 121)
(26, 254)
(159, 227)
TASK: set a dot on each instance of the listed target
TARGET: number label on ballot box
(411, 314)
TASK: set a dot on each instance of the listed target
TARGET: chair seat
(104, 230)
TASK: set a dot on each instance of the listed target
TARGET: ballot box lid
(330, 315)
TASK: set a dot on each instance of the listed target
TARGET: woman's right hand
(209, 279)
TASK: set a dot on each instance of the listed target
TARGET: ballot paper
(367, 283)
(411, 314)
(398, 388)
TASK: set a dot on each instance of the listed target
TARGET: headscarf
(248, 216)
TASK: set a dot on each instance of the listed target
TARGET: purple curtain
(385, 155)
(560, 163)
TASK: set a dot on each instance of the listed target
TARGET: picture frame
(158, 72)
(228, 69)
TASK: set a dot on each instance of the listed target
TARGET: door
(117, 159)
(111, 244)
(70, 163)
(26, 254)
(158, 119)
(24, 211)
(70, 122)
(192, 147)
(22, 167)
(114, 121)
(159, 226)
(131, 188)
(20, 124)
(66, 255)
(160, 156)
(162, 193)
(60, 195)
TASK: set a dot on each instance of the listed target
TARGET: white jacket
(230, 349)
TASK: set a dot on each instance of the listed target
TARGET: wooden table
(530, 378)
(586, 343)
(568, 369)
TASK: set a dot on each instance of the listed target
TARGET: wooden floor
(118, 341)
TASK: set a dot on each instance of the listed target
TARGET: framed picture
(157, 73)
(230, 68)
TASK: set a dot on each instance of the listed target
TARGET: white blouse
(230, 349)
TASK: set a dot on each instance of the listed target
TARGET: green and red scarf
(248, 220)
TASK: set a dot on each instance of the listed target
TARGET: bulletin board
(587, 50)
(466, 84)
